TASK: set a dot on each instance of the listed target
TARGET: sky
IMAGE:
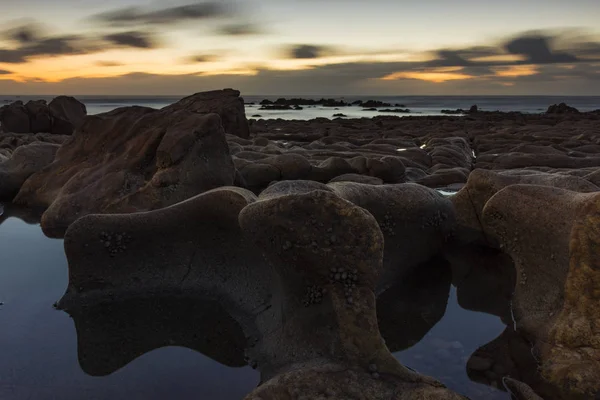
(300, 47)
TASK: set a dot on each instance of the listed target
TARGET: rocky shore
(304, 236)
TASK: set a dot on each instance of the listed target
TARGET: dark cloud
(305, 51)
(537, 50)
(245, 29)
(53, 46)
(108, 64)
(200, 58)
(5, 72)
(171, 15)
(142, 40)
(24, 34)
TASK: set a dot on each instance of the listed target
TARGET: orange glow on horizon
(515, 71)
(437, 76)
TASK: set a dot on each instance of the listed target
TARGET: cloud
(52, 46)
(242, 29)
(307, 51)
(108, 64)
(200, 58)
(537, 50)
(23, 34)
(5, 72)
(142, 40)
(164, 16)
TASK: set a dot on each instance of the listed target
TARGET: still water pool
(42, 356)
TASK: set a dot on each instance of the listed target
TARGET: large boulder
(327, 253)
(128, 160)
(40, 117)
(24, 161)
(483, 184)
(14, 118)
(227, 103)
(416, 222)
(553, 237)
(68, 114)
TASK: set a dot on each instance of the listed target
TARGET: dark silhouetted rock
(226, 103)
(561, 108)
(67, 113)
(14, 118)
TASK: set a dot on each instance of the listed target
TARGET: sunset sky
(303, 47)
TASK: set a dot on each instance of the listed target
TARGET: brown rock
(68, 114)
(552, 236)
(226, 103)
(128, 160)
(415, 222)
(25, 161)
(15, 118)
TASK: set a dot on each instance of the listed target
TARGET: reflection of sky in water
(444, 351)
(39, 344)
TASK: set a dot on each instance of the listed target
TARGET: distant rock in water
(473, 109)
(62, 116)
(396, 110)
(561, 108)
(276, 107)
(136, 159)
(340, 115)
(375, 103)
(458, 111)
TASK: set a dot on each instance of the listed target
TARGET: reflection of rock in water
(509, 355)
(485, 279)
(27, 215)
(111, 335)
(410, 308)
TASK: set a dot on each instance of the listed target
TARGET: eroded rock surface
(128, 160)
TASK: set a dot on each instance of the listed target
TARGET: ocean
(418, 105)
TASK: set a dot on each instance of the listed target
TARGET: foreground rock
(327, 299)
(128, 160)
(302, 321)
(552, 236)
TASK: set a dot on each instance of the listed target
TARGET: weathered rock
(561, 108)
(258, 175)
(519, 390)
(15, 118)
(68, 114)
(25, 161)
(40, 117)
(483, 184)
(182, 250)
(226, 103)
(330, 309)
(415, 222)
(291, 166)
(552, 235)
(128, 160)
(356, 178)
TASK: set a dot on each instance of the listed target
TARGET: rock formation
(130, 159)
(62, 116)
